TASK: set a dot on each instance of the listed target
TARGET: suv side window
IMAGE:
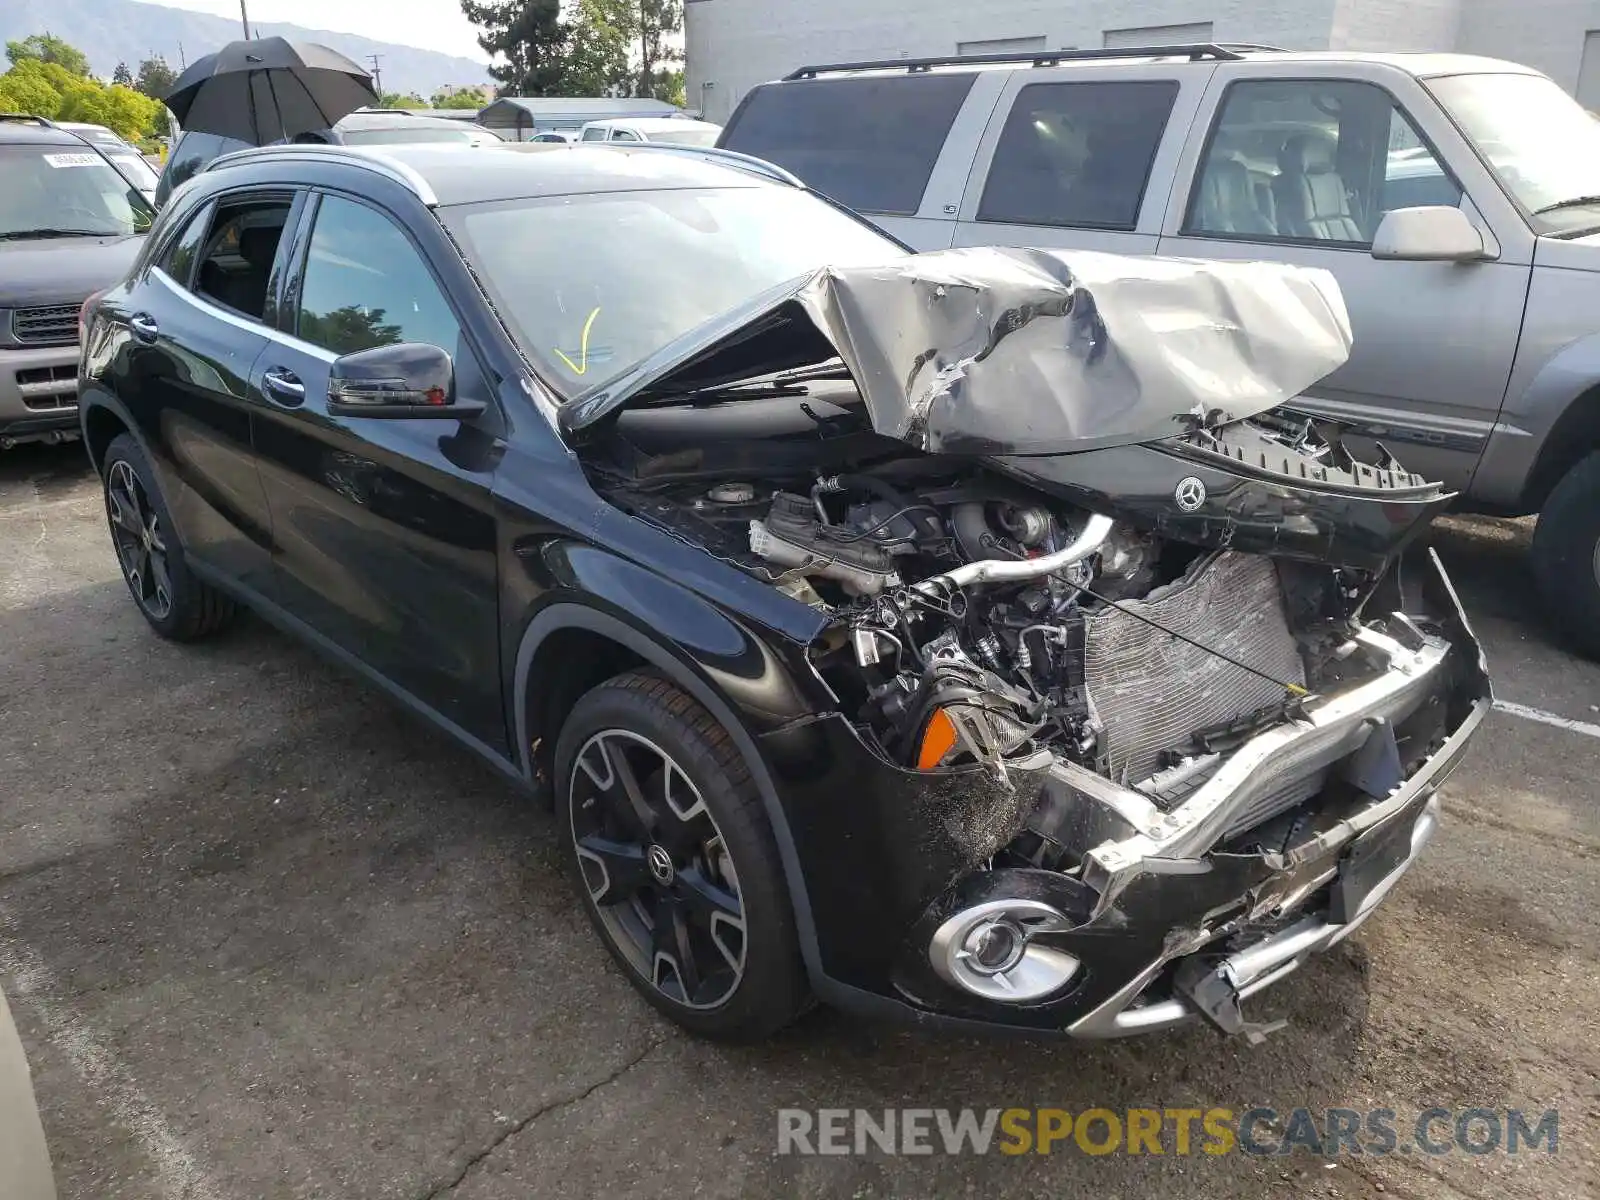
(365, 285)
(624, 135)
(237, 253)
(1312, 160)
(868, 142)
(1077, 154)
(179, 258)
(594, 135)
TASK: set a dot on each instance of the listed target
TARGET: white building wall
(1396, 24)
(1547, 35)
(732, 45)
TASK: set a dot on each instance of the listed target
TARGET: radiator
(1149, 691)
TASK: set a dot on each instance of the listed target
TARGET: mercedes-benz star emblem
(660, 864)
(1190, 493)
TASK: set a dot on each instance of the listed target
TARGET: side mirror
(408, 381)
(1434, 233)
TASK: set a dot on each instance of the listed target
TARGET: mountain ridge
(113, 31)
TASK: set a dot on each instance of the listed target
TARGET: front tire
(1566, 555)
(177, 604)
(674, 859)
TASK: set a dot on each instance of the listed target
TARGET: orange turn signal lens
(938, 739)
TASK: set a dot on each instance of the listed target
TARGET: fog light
(989, 950)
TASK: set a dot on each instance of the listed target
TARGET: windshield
(1540, 142)
(56, 188)
(406, 135)
(686, 137)
(593, 285)
(136, 171)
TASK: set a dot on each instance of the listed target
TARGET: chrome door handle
(144, 327)
(284, 386)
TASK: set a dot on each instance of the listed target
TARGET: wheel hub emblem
(1190, 493)
(660, 864)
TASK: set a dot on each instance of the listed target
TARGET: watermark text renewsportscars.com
(1327, 1132)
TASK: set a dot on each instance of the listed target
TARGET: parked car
(364, 127)
(125, 157)
(682, 131)
(1477, 353)
(915, 632)
(69, 225)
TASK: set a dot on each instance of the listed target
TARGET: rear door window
(868, 142)
(1077, 154)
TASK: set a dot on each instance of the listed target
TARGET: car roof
(440, 175)
(26, 133)
(392, 120)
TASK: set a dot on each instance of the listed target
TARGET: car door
(383, 530)
(1080, 158)
(197, 323)
(1301, 168)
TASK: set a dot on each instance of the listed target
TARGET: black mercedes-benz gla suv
(966, 636)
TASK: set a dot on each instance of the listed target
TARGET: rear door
(1081, 157)
(1299, 164)
(384, 534)
(197, 321)
(895, 147)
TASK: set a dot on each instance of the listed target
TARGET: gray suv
(70, 225)
(1456, 200)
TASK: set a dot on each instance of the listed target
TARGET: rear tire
(1566, 555)
(169, 596)
(674, 860)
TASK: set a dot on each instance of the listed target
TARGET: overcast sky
(431, 24)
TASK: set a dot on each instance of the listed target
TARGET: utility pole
(377, 74)
(244, 19)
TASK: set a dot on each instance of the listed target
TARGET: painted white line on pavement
(36, 987)
(1546, 718)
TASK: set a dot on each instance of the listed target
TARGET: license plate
(1372, 859)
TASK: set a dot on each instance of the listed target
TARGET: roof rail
(715, 154)
(16, 118)
(1037, 58)
(1247, 47)
(406, 176)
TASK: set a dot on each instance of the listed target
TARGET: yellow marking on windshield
(582, 366)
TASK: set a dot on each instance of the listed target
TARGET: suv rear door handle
(144, 327)
(284, 386)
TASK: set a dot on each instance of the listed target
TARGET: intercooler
(1150, 691)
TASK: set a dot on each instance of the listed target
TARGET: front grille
(56, 325)
(1150, 692)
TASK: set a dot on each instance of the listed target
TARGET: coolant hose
(995, 570)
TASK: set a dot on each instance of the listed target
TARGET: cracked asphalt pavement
(265, 936)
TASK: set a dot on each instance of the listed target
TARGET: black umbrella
(268, 90)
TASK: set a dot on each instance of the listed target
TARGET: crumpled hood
(63, 270)
(995, 350)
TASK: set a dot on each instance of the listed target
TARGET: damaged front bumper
(1168, 915)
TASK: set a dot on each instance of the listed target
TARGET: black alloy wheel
(176, 603)
(141, 540)
(675, 861)
(657, 868)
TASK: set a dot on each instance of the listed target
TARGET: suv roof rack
(1195, 52)
(16, 118)
(407, 177)
(730, 158)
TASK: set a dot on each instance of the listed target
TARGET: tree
(47, 48)
(532, 38)
(459, 100)
(155, 78)
(49, 89)
(654, 22)
(122, 77)
(401, 100)
(597, 56)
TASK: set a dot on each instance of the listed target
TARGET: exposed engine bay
(975, 619)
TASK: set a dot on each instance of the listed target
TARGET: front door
(1302, 171)
(383, 530)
